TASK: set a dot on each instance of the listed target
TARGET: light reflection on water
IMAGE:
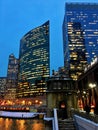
(18, 124)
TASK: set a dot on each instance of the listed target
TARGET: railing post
(55, 119)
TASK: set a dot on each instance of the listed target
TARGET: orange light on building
(80, 104)
(40, 102)
(23, 102)
(92, 86)
(36, 101)
(62, 105)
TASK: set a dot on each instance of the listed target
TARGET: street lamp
(92, 85)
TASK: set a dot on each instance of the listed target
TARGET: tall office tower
(12, 77)
(80, 36)
(34, 59)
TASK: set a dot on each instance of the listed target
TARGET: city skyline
(17, 18)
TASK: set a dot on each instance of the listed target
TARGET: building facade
(87, 86)
(12, 77)
(61, 94)
(34, 58)
(2, 86)
(80, 36)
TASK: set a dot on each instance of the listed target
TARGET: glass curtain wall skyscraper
(34, 59)
(80, 36)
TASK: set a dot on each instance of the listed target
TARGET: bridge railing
(84, 124)
(55, 120)
(90, 116)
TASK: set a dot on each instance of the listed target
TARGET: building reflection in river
(20, 124)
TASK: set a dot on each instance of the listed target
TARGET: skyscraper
(2, 86)
(12, 76)
(80, 36)
(34, 58)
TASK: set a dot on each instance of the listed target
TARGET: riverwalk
(20, 115)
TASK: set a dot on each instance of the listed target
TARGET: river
(23, 124)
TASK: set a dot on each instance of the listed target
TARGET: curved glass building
(34, 59)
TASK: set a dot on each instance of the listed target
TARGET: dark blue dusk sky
(17, 17)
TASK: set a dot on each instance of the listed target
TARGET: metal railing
(55, 120)
(90, 116)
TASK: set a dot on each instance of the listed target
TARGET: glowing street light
(92, 85)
